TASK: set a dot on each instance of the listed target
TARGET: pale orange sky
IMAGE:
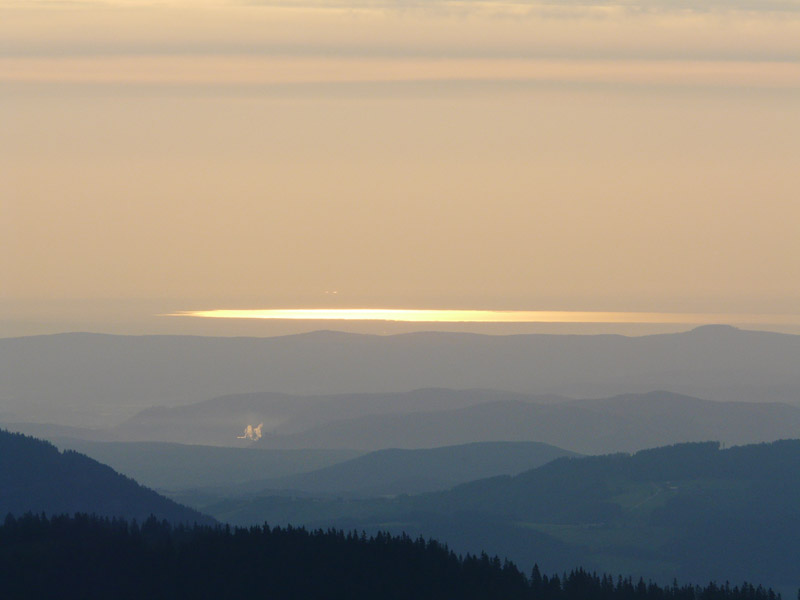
(169, 156)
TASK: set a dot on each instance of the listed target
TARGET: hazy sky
(166, 156)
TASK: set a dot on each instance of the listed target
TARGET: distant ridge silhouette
(72, 379)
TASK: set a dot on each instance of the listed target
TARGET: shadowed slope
(394, 471)
(36, 477)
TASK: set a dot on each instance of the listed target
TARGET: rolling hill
(693, 511)
(395, 471)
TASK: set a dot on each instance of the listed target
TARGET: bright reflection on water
(489, 316)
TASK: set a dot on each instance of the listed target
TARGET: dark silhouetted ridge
(36, 477)
(88, 558)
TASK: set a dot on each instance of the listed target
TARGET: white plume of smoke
(251, 433)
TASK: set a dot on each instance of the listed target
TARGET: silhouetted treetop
(91, 557)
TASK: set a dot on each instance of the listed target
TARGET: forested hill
(87, 557)
(576, 489)
(36, 477)
(695, 511)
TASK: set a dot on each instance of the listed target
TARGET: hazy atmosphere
(172, 156)
(388, 300)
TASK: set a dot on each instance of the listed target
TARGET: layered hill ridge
(36, 477)
(431, 418)
(695, 511)
(221, 421)
(168, 467)
(619, 424)
(223, 471)
(91, 379)
(394, 471)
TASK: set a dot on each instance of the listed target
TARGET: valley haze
(96, 380)
(662, 455)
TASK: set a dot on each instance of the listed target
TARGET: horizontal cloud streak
(634, 6)
(407, 153)
(488, 316)
(433, 29)
(264, 71)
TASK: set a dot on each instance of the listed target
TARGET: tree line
(86, 556)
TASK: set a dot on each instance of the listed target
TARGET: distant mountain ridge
(220, 420)
(92, 379)
(417, 420)
(36, 477)
(619, 424)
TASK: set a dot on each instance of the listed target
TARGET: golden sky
(168, 156)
